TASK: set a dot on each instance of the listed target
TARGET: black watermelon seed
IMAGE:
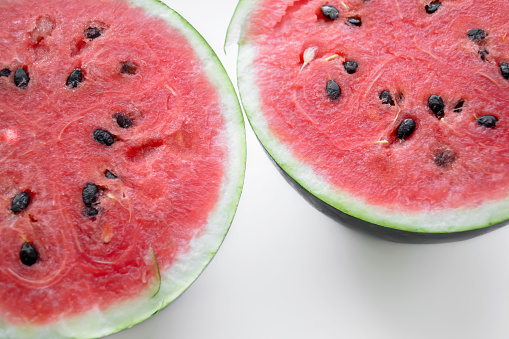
(90, 211)
(488, 121)
(405, 129)
(21, 78)
(5, 72)
(386, 98)
(477, 34)
(354, 21)
(20, 202)
(436, 105)
(333, 90)
(89, 193)
(445, 158)
(128, 67)
(350, 66)
(459, 106)
(75, 78)
(103, 137)
(93, 32)
(122, 120)
(504, 70)
(483, 53)
(433, 7)
(28, 254)
(330, 12)
(110, 175)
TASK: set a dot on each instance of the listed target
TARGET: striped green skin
(399, 226)
(175, 280)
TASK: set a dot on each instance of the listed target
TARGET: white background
(286, 271)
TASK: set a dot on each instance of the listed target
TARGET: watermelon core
(328, 85)
(114, 125)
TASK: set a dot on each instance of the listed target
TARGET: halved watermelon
(122, 155)
(394, 112)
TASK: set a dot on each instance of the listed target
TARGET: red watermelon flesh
(158, 169)
(412, 49)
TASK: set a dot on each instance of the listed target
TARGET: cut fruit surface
(122, 154)
(414, 137)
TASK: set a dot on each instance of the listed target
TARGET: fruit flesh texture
(351, 142)
(169, 164)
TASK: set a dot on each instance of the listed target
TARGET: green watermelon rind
(188, 267)
(440, 222)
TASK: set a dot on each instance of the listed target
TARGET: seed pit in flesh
(386, 98)
(123, 121)
(28, 254)
(477, 35)
(44, 26)
(350, 66)
(433, 7)
(108, 174)
(488, 121)
(333, 90)
(330, 12)
(504, 70)
(458, 108)
(21, 78)
(436, 105)
(20, 202)
(405, 129)
(92, 33)
(103, 137)
(5, 72)
(483, 53)
(128, 67)
(75, 78)
(354, 21)
(444, 158)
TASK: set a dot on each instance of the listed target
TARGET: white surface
(287, 271)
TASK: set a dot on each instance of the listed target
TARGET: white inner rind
(430, 221)
(188, 267)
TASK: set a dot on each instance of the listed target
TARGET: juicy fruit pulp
(409, 132)
(109, 128)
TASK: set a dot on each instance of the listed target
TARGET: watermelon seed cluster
(28, 254)
(89, 196)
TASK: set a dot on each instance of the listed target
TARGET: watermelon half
(392, 116)
(122, 156)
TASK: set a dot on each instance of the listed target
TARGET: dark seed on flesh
(333, 90)
(354, 21)
(350, 66)
(28, 254)
(405, 129)
(433, 7)
(89, 193)
(488, 121)
(93, 32)
(122, 120)
(90, 211)
(504, 70)
(483, 53)
(330, 12)
(445, 158)
(74, 78)
(103, 137)
(5, 72)
(459, 106)
(21, 78)
(20, 202)
(436, 105)
(386, 98)
(477, 34)
(110, 175)
(128, 67)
